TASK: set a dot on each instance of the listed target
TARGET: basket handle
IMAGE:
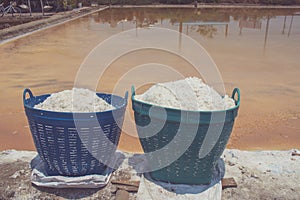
(132, 91)
(234, 92)
(27, 90)
(126, 96)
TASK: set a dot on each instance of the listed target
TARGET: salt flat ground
(259, 175)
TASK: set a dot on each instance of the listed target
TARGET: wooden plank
(228, 183)
(125, 182)
(295, 154)
(128, 188)
(122, 195)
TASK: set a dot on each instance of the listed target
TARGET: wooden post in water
(187, 29)
(42, 6)
(29, 5)
(283, 28)
(180, 35)
(226, 30)
(291, 24)
(266, 33)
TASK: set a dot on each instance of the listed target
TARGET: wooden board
(125, 182)
(228, 183)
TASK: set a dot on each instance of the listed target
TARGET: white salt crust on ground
(259, 175)
(187, 94)
(75, 100)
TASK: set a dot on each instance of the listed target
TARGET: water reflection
(206, 22)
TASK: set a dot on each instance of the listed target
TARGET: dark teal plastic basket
(70, 151)
(189, 168)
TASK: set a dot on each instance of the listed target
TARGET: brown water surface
(256, 50)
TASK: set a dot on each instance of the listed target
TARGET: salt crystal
(75, 100)
(187, 94)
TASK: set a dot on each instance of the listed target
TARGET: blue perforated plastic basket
(70, 151)
(189, 168)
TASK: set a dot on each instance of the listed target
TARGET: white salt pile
(75, 100)
(187, 94)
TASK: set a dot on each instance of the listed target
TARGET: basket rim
(124, 104)
(237, 105)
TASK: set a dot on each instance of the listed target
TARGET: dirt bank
(13, 29)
